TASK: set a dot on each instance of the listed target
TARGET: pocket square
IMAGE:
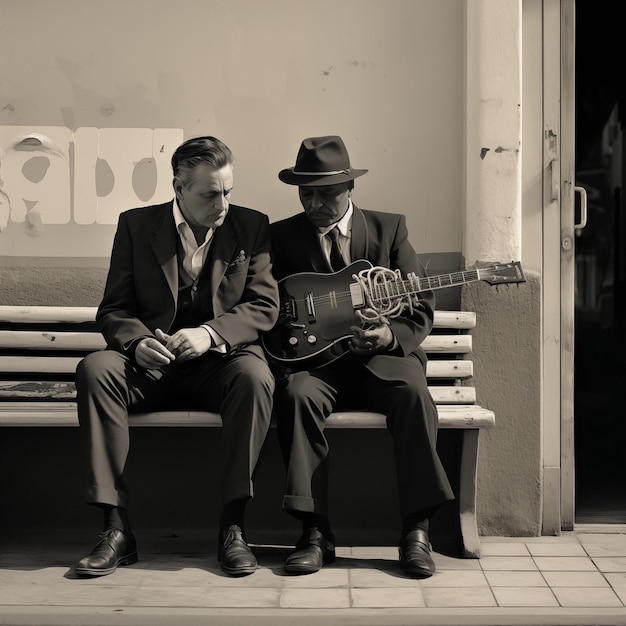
(239, 260)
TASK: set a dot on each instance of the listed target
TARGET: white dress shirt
(194, 256)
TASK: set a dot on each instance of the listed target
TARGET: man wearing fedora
(383, 370)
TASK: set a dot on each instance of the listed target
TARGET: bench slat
(64, 414)
(51, 340)
(49, 390)
(67, 365)
(89, 342)
(79, 314)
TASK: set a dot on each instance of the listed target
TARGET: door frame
(558, 286)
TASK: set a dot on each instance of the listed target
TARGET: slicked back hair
(192, 152)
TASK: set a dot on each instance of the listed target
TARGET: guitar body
(317, 310)
(316, 313)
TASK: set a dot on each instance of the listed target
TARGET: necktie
(336, 258)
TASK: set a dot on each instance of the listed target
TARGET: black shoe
(234, 554)
(415, 555)
(312, 551)
(114, 548)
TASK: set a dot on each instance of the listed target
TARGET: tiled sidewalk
(577, 578)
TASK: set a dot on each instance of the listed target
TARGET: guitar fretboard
(447, 280)
(387, 289)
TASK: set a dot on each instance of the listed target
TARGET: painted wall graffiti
(64, 190)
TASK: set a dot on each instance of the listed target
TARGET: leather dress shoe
(234, 554)
(415, 555)
(114, 548)
(312, 551)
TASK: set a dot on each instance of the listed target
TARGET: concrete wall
(386, 75)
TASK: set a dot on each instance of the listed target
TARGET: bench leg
(467, 494)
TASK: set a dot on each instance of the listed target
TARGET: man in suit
(383, 370)
(189, 290)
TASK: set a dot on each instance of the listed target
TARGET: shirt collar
(178, 216)
(182, 224)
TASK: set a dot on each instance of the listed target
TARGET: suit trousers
(309, 397)
(110, 388)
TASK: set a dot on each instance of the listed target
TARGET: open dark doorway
(600, 356)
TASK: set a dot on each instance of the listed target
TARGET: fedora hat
(320, 161)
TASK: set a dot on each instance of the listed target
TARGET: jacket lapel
(164, 246)
(359, 240)
(312, 243)
(221, 252)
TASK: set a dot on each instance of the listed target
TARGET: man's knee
(255, 374)
(91, 370)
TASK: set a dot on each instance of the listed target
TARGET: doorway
(600, 319)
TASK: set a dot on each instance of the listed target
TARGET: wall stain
(483, 153)
(107, 109)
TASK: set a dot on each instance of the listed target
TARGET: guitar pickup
(310, 307)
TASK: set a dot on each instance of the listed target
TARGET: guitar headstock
(503, 273)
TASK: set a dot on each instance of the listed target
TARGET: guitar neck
(430, 283)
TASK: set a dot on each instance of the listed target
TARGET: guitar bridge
(356, 295)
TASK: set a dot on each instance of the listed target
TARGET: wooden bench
(40, 347)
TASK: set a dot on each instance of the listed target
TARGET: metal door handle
(583, 208)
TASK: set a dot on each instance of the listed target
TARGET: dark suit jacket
(382, 239)
(142, 284)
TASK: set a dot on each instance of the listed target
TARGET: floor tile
(315, 599)
(328, 576)
(22, 594)
(575, 579)
(604, 544)
(229, 597)
(382, 598)
(363, 577)
(524, 596)
(169, 596)
(617, 580)
(445, 562)
(375, 552)
(63, 595)
(564, 563)
(512, 563)
(556, 549)
(515, 579)
(610, 564)
(456, 579)
(490, 548)
(565, 537)
(586, 597)
(467, 597)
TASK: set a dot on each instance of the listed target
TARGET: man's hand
(151, 353)
(186, 343)
(375, 337)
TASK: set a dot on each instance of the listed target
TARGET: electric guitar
(317, 310)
